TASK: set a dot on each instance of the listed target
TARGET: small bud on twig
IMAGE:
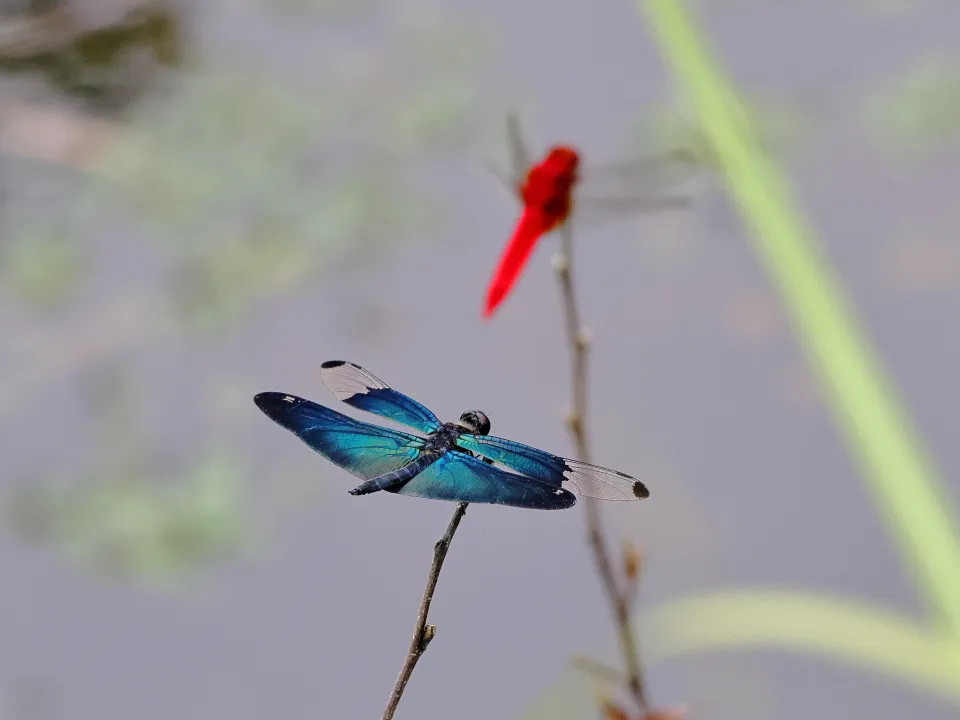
(632, 561)
(428, 632)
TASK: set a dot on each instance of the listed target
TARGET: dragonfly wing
(639, 186)
(630, 205)
(460, 477)
(364, 391)
(520, 160)
(578, 477)
(364, 450)
(595, 211)
(645, 175)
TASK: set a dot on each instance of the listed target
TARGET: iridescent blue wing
(361, 389)
(461, 477)
(365, 450)
(577, 477)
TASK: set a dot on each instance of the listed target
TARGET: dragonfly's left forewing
(578, 477)
(364, 450)
(363, 390)
(460, 477)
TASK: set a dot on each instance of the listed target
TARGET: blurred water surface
(307, 183)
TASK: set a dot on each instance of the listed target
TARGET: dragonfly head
(562, 159)
(476, 422)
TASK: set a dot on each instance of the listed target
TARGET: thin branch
(618, 597)
(423, 633)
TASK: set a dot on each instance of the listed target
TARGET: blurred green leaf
(920, 112)
(252, 181)
(907, 489)
(155, 531)
(432, 114)
(253, 188)
(42, 265)
(571, 697)
(230, 138)
(830, 627)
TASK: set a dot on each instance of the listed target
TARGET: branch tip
(424, 632)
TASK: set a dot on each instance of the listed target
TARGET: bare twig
(423, 633)
(618, 597)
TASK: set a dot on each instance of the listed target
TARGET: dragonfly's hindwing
(573, 475)
(460, 477)
(360, 388)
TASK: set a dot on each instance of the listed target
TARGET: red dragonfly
(547, 193)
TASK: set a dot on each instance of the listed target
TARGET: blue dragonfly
(455, 461)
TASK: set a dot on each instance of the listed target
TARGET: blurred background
(199, 202)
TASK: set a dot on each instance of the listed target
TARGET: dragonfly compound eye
(477, 420)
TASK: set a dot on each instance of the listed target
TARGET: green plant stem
(905, 485)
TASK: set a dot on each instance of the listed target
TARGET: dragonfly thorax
(444, 438)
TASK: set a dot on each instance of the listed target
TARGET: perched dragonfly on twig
(455, 461)
(551, 188)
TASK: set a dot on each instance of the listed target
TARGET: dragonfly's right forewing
(520, 160)
(647, 176)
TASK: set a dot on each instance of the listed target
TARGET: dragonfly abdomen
(394, 480)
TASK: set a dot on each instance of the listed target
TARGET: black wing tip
(640, 490)
(327, 364)
(264, 398)
(274, 404)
